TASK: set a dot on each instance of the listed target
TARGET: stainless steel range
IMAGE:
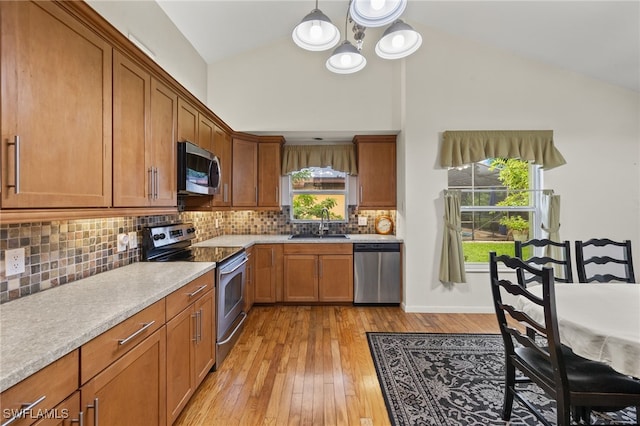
(172, 243)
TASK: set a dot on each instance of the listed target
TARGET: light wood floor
(301, 365)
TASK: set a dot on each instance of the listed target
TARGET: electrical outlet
(14, 261)
(123, 242)
(362, 221)
(133, 240)
(217, 223)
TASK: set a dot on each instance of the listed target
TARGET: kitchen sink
(318, 236)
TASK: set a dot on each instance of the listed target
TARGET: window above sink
(314, 188)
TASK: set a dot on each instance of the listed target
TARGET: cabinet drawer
(118, 340)
(318, 248)
(50, 386)
(183, 297)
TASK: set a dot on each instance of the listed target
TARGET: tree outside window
(314, 189)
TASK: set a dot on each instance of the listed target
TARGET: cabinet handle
(136, 334)
(256, 197)
(150, 176)
(202, 287)
(157, 183)
(225, 191)
(320, 273)
(16, 170)
(200, 325)
(95, 411)
(360, 193)
(26, 407)
(79, 420)
(194, 338)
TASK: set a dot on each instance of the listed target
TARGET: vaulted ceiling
(600, 39)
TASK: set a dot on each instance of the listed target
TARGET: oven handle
(244, 317)
(223, 272)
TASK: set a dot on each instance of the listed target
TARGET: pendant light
(316, 32)
(346, 58)
(376, 13)
(398, 41)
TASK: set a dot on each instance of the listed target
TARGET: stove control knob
(191, 230)
(159, 237)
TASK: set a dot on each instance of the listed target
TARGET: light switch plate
(362, 221)
(133, 239)
(123, 242)
(14, 261)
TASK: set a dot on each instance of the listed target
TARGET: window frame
(535, 186)
(293, 192)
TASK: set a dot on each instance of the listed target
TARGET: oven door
(231, 277)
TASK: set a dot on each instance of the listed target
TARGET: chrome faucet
(323, 226)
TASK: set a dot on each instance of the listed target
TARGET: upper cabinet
(56, 109)
(144, 117)
(256, 171)
(376, 171)
(187, 122)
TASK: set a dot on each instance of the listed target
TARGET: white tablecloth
(598, 321)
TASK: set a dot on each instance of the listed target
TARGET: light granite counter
(38, 329)
(247, 241)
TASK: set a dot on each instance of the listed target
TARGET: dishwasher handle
(376, 247)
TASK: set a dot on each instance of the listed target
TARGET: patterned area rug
(453, 380)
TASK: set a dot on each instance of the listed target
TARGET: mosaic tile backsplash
(59, 252)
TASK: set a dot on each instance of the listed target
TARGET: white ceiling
(600, 39)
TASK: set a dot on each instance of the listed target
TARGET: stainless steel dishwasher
(376, 270)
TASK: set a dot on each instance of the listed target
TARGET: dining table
(598, 321)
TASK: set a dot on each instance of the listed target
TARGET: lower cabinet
(318, 273)
(132, 390)
(268, 273)
(64, 414)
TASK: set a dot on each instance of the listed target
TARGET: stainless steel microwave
(198, 170)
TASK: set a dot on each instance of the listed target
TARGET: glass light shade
(346, 59)
(316, 32)
(376, 13)
(398, 41)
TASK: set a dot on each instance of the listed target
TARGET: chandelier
(316, 32)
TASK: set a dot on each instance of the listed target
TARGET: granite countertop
(247, 241)
(38, 329)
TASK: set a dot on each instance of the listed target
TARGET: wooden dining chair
(560, 260)
(604, 260)
(577, 384)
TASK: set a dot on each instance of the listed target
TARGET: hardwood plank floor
(310, 365)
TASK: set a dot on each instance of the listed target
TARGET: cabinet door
(249, 291)
(205, 336)
(335, 278)
(162, 153)
(267, 272)
(300, 278)
(222, 148)
(187, 122)
(269, 167)
(376, 171)
(132, 390)
(206, 133)
(56, 104)
(132, 176)
(180, 362)
(245, 179)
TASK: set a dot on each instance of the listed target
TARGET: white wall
(151, 26)
(451, 84)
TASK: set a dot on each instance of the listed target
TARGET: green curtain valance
(338, 157)
(461, 147)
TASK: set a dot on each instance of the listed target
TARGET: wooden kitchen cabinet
(43, 391)
(376, 171)
(190, 341)
(222, 149)
(249, 288)
(66, 413)
(144, 154)
(132, 390)
(206, 132)
(244, 188)
(268, 273)
(187, 122)
(56, 103)
(318, 273)
(269, 171)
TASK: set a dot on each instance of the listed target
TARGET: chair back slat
(603, 260)
(561, 260)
